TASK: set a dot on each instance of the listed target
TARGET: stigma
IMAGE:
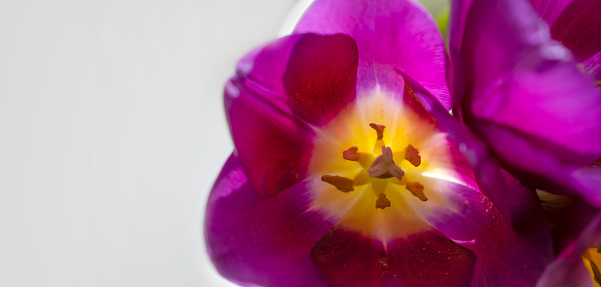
(384, 166)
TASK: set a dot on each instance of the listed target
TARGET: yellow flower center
(377, 168)
(592, 261)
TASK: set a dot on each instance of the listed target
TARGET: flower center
(382, 167)
(386, 185)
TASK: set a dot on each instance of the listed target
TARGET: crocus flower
(344, 173)
(525, 95)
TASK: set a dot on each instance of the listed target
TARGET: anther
(379, 130)
(412, 156)
(351, 154)
(599, 248)
(384, 166)
(417, 189)
(382, 202)
(341, 183)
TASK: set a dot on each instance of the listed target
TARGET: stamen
(382, 201)
(417, 189)
(412, 156)
(351, 154)
(379, 130)
(596, 272)
(599, 84)
(341, 183)
(384, 166)
(599, 248)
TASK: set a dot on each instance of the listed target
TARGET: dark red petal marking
(578, 27)
(274, 150)
(349, 259)
(273, 143)
(321, 77)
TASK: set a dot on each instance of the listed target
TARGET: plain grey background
(112, 132)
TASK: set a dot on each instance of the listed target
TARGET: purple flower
(524, 93)
(344, 173)
(537, 105)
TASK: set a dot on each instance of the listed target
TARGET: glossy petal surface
(320, 77)
(346, 258)
(575, 23)
(481, 226)
(524, 94)
(456, 28)
(398, 34)
(277, 93)
(261, 242)
(593, 67)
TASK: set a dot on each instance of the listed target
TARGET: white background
(112, 131)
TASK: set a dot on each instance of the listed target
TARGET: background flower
(538, 108)
(524, 95)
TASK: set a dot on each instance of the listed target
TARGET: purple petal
(593, 67)
(568, 269)
(524, 95)
(550, 10)
(474, 151)
(321, 76)
(506, 255)
(262, 242)
(586, 181)
(269, 117)
(523, 246)
(347, 258)
(456, 27)
(389, 34)
(575, 23)
(557, 107)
